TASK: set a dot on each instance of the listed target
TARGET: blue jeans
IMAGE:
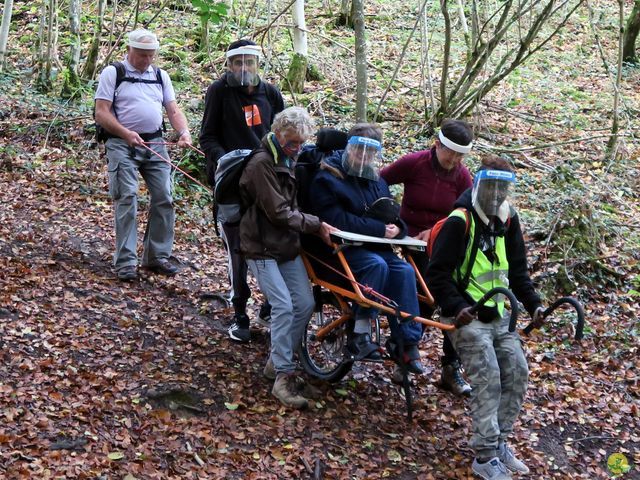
(124, 165)
(287, 289)
(391, 276)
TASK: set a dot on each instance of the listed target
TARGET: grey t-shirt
(138, 105)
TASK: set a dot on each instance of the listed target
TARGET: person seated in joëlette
(343, 193)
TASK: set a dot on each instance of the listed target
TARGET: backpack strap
(120, 74)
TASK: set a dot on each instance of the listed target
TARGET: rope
(144, 145)
(365, 288)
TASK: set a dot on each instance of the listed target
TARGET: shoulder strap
(474, 250)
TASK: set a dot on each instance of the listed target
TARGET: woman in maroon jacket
(433, 180)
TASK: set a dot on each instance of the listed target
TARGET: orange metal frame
(357, 296)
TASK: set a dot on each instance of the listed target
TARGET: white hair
(294, 119)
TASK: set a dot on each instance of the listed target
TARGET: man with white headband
(239, 110)
(433, 180)
(129, 102)
(466, 262)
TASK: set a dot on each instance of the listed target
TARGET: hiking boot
(269, 371)
(506, 456)
(285, 389)
(307, 390)
(264, 317)
(361, 347)
(451, 379)
(239, 330)
(494, 469)
(128, 273)
(163, 267)
(396, 375)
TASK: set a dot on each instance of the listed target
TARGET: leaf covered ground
(103, 379)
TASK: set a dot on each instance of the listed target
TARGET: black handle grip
(561, 301)
(512, 300)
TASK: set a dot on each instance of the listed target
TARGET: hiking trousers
(287, 288)
(498, 374)
(124, 165)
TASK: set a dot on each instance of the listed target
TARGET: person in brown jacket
(270, 241)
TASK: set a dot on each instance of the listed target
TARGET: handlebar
(564, 300)
(512, 300)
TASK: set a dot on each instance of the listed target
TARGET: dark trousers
(240, 291)
(449, 354)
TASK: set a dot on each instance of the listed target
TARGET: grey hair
(294, 119)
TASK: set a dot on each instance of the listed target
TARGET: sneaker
(163, 267)
(506, 456)
(285, 389)
(269, 370)
(238, 331)
(494, 469)
(128, 273)
(451, 379)
(412, 358)
(264, 317)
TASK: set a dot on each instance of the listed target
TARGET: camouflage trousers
(498, 374)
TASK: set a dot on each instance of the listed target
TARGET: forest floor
(104, 379)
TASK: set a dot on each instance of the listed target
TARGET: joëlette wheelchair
(323, 351)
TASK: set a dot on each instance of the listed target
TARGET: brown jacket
(271, 226)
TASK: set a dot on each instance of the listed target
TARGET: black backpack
(102, 135)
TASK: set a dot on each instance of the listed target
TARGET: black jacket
(448, 253)
(230, 120)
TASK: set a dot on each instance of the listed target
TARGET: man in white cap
(239, 109)
(129, 102)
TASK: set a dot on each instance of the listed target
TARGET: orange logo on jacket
(252, 115)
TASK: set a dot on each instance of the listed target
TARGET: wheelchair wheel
(324, 359)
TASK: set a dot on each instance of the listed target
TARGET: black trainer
(239, 329)
(264, 317)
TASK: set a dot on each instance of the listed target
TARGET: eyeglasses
(294, 145)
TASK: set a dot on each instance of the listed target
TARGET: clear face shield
(243, 63)
(491, 188)
(362, 158)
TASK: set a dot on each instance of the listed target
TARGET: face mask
(491, 189)
(362, 158)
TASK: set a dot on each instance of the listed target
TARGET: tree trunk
(615, 126)
(71, 86)
(631, 35)
(4, 31)
(345, 18)
(298, 68)
(46, 39)
(361, 61)
(89, 71)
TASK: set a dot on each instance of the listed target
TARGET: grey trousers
(124, 164)
(498, 374)
(288, 290)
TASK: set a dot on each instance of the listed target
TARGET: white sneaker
(494, 469)
(506, 456)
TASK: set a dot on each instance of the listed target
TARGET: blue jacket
(341, 200)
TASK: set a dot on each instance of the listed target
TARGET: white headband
(245, 50)
(137, 36)
(453, 145)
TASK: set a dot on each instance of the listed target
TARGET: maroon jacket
(429, 190)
